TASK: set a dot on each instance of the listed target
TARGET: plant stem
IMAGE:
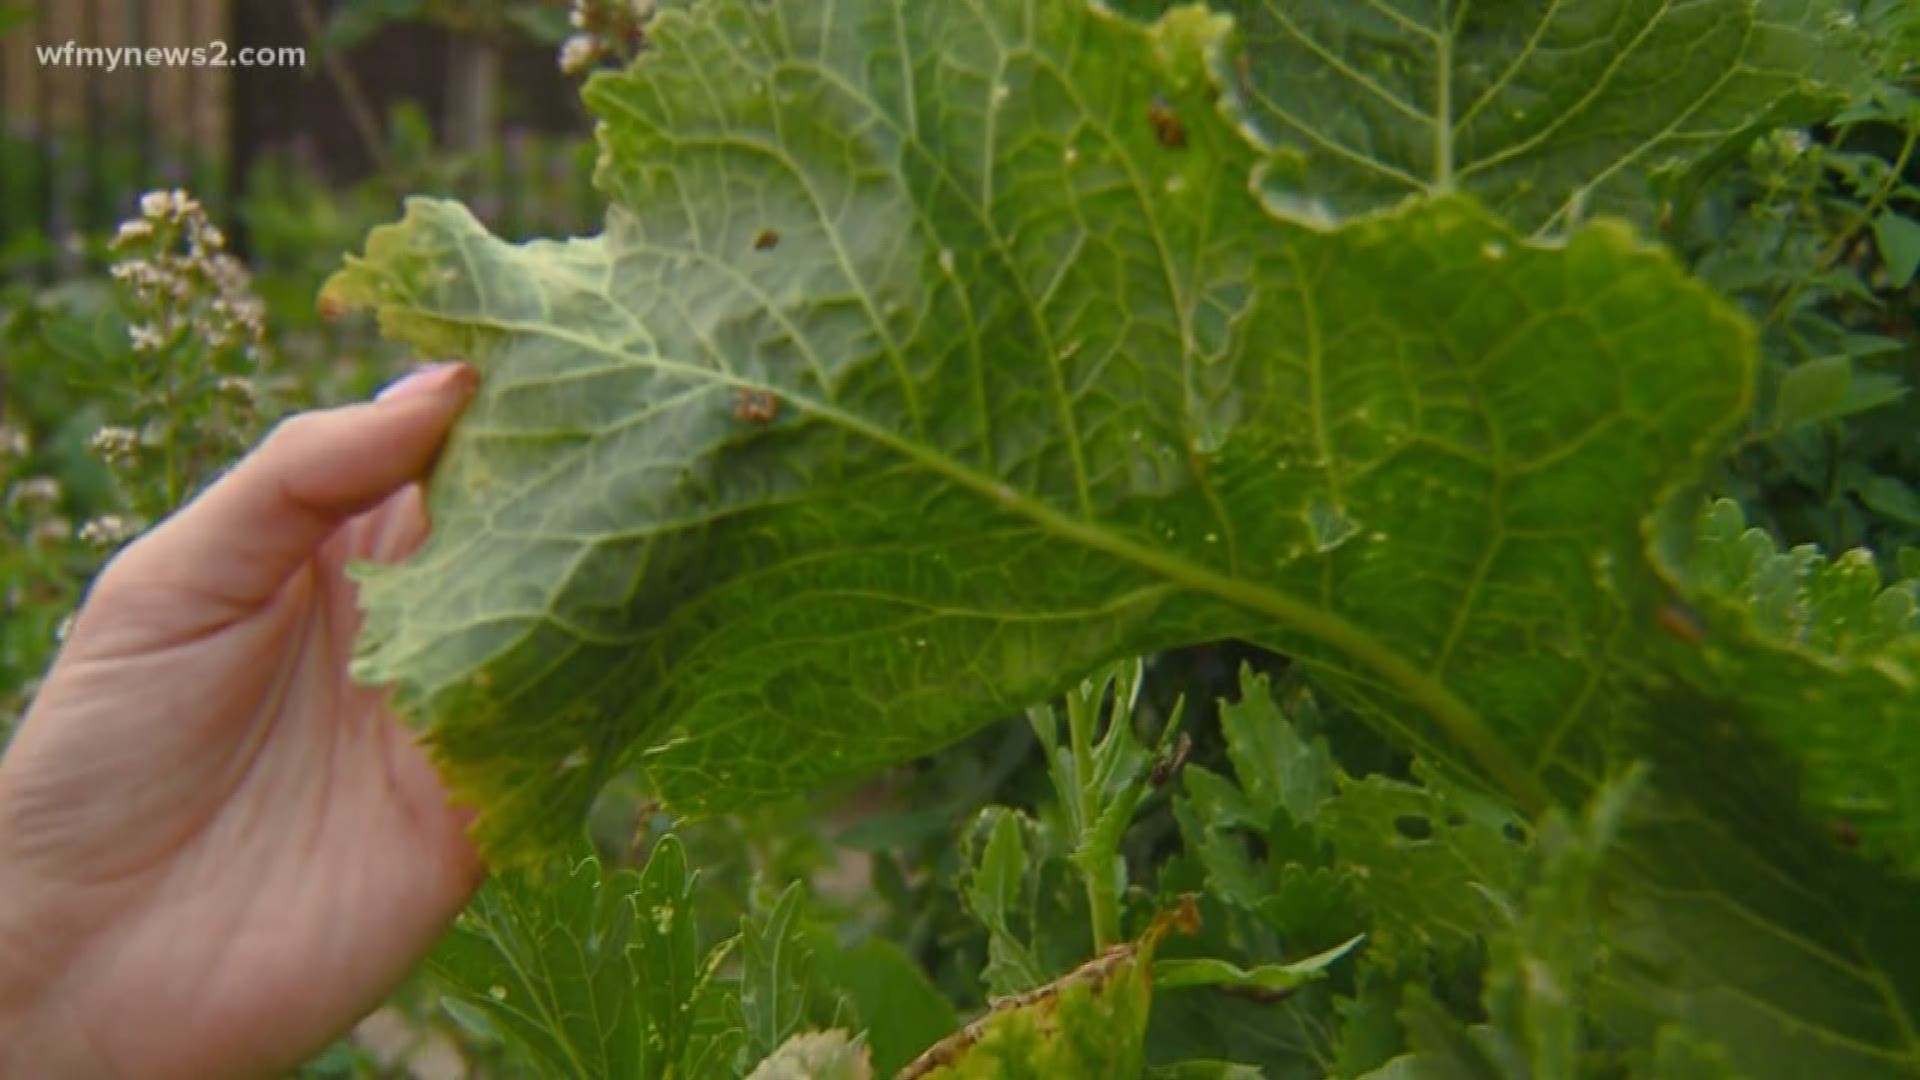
(1103, 903)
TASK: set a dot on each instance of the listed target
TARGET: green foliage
(1811, 231)
(121, 399)
(591, 974)
(903, 1012)
(1090, 1022)
(936, 353)
(1434, 445)
(579, 970)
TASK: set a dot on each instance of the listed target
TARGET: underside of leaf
(1042, 386)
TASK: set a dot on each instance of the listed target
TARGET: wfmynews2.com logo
(212, 54)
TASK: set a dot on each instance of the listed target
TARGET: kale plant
(937, 352)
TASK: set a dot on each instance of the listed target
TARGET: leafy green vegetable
(936, 353)
(1267, 435)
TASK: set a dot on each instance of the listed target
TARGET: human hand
(216, 851)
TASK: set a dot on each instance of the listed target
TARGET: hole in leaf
(1413, 827)
(1514, 833)
(1456, 819)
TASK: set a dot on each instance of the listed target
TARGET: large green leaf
(1051, 388)
(936, 352)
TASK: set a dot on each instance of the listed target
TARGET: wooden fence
(78, 142)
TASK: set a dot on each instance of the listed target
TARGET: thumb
(240, 541)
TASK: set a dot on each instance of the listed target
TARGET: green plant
(123, 399)
(1816, 233)
(936, 353)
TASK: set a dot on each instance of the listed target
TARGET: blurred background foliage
(108, 417)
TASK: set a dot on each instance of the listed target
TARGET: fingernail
(429, 379)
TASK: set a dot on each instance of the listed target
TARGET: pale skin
(216, 851)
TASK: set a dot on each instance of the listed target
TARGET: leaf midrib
(1461, 722)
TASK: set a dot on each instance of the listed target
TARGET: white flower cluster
(237, 388)
(14, 443)
(578, 53)
(201, 291)
(38, 493)
(109, 530)
(604, 29)
(116, 445)
(38, 501)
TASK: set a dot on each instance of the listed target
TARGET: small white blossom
(39, 491)
(146, 338)
(577, 54)
(156, 204)
(13, 442)
(115, 443)
(108, 530)
(239, 389)
(51, 531)
(132, 231)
